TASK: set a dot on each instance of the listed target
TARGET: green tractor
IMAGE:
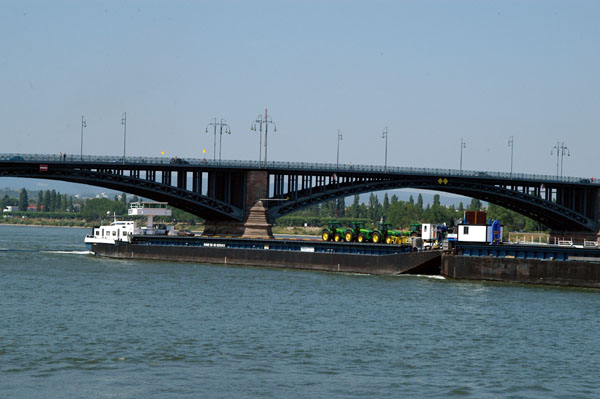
(358, 232)
(386, 234)
(416, 229)
(333, 232)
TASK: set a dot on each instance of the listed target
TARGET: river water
(77, 326)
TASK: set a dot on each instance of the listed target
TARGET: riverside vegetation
(55, 209)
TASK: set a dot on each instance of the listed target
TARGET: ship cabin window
(114, 233)
(466, 231)
(97, 232)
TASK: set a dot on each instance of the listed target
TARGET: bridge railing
(293, 166)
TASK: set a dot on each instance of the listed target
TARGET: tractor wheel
(337, 237)
(361, 238)
(349, 236)
(325, 235)
(389, 240)
(376, 237)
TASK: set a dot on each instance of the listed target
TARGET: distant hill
(31, 185)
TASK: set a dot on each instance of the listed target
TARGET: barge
(279, 253)
(522, 263)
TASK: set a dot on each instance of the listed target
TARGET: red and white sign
(43, 168)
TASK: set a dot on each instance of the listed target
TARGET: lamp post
(463, 144)
(124, 123)
(561, 149)
(83, 124)
(385, 136)
(221, 124)
(511, 144)
(339, 137)
(258, 122)
(267, 121)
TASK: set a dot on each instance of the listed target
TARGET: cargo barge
(279, 253)
(570, 265)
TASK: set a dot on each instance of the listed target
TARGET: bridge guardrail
(325, 167)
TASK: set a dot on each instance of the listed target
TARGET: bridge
(245, 197)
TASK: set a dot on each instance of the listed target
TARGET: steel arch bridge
(226, 191)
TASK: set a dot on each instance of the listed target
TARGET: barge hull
(530, 271)
(392, 264)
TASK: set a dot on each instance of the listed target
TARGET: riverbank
(197, 229)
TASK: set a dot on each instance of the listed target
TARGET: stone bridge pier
(256, 221)
(579, 237)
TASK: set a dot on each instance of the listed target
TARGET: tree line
(402, 213)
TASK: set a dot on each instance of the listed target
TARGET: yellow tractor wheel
(376, 237)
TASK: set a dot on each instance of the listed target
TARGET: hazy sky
(433, 72)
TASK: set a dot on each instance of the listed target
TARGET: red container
(475, 217)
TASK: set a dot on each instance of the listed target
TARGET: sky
(432, 72)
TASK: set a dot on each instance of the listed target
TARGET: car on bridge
(179, 161)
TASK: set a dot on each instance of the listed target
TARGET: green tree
(47, 201)
(23, 200)
(40, 200)
(7, 201)
(341, 207)
(98, 208)
(475, 205)
(353, 210)
(386, 205)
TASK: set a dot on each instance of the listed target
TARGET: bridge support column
(256, 222)
(578, 237)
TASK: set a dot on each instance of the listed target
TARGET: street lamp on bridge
(83, 124)
(124, 123)
(463, 144)
(561, 149)
(259, 122)
(511, 144)
(221, 124)
(339, 137)
(385, 136)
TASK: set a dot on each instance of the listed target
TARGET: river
(78, 326)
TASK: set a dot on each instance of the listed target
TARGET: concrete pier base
(257, 224)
